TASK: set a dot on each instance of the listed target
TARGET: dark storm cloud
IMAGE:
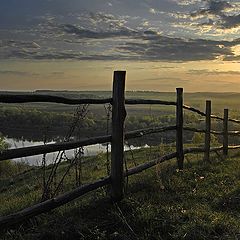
(114, 30)
(85, 33)
(99, 26)
(116, 41)
(217, 13)
(147, 45)
(156, 47)
(231, 21)
(213, 7)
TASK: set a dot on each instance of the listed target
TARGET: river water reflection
(91, 150)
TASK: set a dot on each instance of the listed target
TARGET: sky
(162, 44)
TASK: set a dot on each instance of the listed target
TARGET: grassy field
(200, 202)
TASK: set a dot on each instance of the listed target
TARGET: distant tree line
(34, 124)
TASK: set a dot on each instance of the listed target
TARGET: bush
(9, 168)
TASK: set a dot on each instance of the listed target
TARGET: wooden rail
(192, 109)
(25, 98)
(147, 131)
(54, 147)
(230, 133)
(170, 156)
(51, 203)
(117, 175)
(48, 148)
(149, 101)
(23, 215)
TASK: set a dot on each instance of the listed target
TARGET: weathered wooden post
(208, 129)
(179, 125)
(225, 133)
(117, 144)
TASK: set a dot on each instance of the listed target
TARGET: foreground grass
(200, 202)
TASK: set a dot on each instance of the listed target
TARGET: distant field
(138, 116)
(219, 100)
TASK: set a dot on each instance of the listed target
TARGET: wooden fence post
(225, 133)
(179, 124)
(208, 129)
(117, 143)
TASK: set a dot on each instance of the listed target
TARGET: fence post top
(179, 89)
(120, 72)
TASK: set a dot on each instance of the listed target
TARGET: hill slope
(201, 202)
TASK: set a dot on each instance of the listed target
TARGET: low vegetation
(200, 202)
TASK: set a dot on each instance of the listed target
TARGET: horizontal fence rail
(148, 101)
(170, 156)
(49, 148)
(20, 98)
(55, 147)
(230, 133)
(9, 98)
(192, 109)
(191, 129)
(50, 204)
(147, 131)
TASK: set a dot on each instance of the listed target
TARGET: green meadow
(200, 202)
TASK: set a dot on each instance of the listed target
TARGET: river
(91, 150)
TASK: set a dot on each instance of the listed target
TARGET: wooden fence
(117, 175)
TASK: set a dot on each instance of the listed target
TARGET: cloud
(137, 45)
(17, 43)
(98, 26)
(213, 72)
(85, 33)
(232, 58)
(230, 21)
(102, 21)
(104, 36)
(18, 73)
(219, 14)
(211, 18)
(156, 47)
(187, 2)
(212, 7)
(162, 79)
